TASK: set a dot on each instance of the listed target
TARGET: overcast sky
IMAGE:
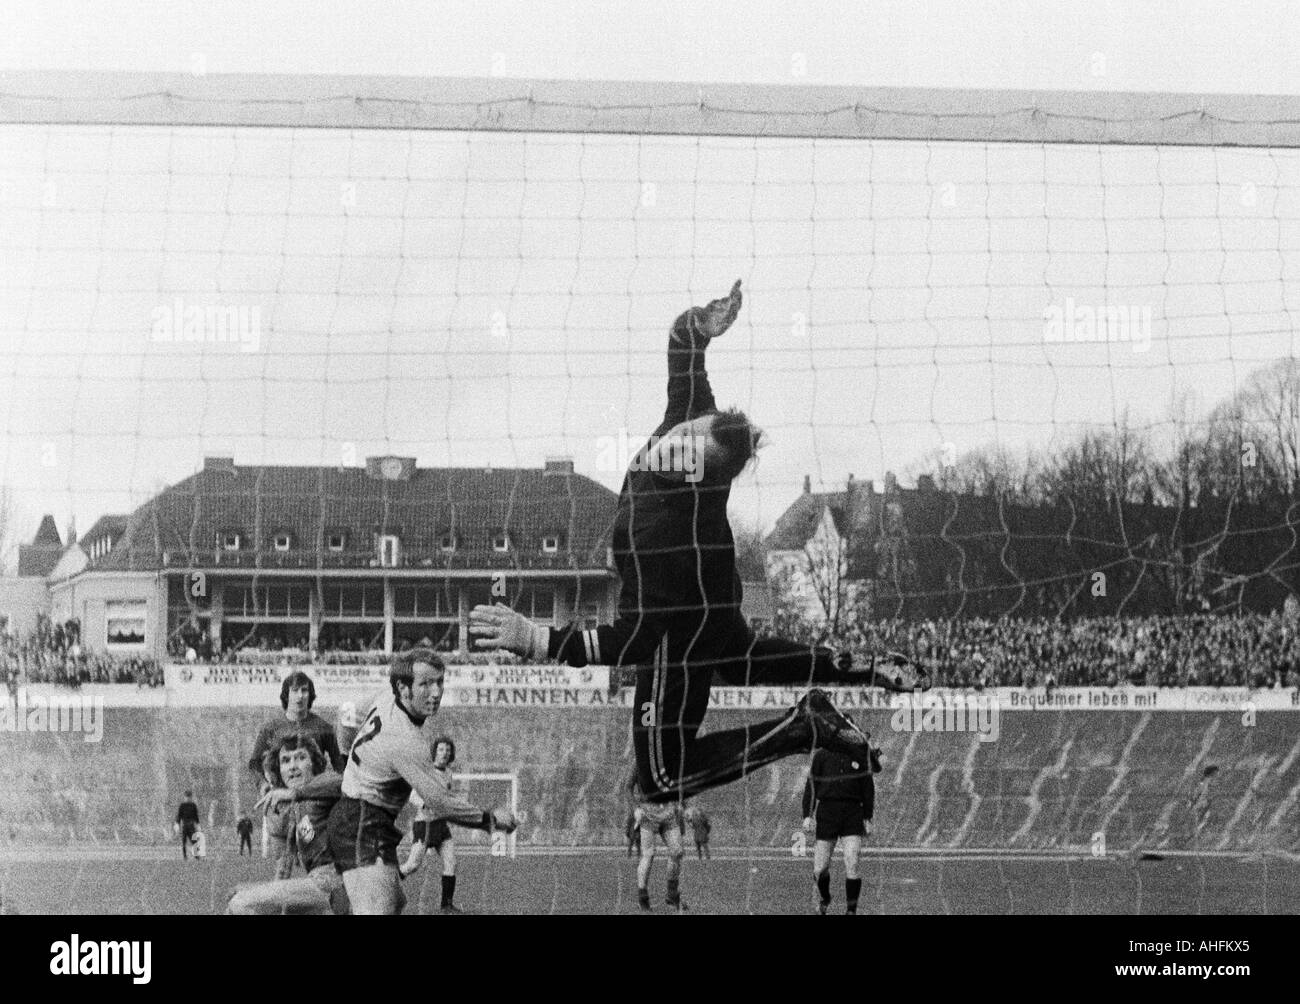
(490, 298)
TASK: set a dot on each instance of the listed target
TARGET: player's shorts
(432, 833)
(188, 830)
(361, 834)
(661, 817)
(840, 818)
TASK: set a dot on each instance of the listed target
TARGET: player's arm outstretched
(440, 803)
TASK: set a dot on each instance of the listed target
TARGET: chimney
(925, 483)
(72, 530)
(891, 483)
(807, 484)
(225, 465)
(849, 483)
(558, 465)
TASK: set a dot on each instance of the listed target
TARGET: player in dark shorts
(679, 617)
(839, 800)
(431, 834)
(187, 822)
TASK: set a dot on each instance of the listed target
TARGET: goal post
(646, 108)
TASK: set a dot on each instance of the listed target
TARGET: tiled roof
(47, 534)
(106, 526)
(37, 559)
(853, 517)
(180, 526)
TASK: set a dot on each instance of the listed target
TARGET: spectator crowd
(1199, 650)
(53, 653)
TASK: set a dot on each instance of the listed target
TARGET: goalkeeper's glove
(714, 318)
(500, 627)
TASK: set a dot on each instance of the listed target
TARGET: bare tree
(751, 550)
(989, 469)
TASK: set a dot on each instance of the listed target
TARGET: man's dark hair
(402, 669)
(188, 793)
(293, 741)
(451, 747)
(293, 681)
(738, 440)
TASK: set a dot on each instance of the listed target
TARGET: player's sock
(824, 886)
(643, 898)
(852, 890)
(674, 897)
(448, 889)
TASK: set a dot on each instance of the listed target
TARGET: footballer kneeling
(303, 793)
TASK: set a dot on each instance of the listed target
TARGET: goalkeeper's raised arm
(689, 392)
(629, 640)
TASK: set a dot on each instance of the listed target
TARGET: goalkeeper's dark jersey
(672, 543)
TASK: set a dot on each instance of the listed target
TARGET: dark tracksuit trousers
(673, 761)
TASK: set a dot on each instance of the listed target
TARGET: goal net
(1025, 364)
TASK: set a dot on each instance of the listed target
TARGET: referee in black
(187, 822)
(840, 798)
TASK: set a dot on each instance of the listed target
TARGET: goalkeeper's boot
(831, 729)
(890, 670)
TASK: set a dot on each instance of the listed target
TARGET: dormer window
(282, 541)
(389, 551)
(501, 542)
(336, 541)
(551, 544)
(230, 540)
(447, 542)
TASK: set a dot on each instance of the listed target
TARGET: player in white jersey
(390, 757)
(429, 833)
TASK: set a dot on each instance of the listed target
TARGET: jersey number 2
(368, 732)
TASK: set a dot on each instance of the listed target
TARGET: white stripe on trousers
(657, 768)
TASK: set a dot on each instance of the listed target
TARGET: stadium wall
(1054, 778)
